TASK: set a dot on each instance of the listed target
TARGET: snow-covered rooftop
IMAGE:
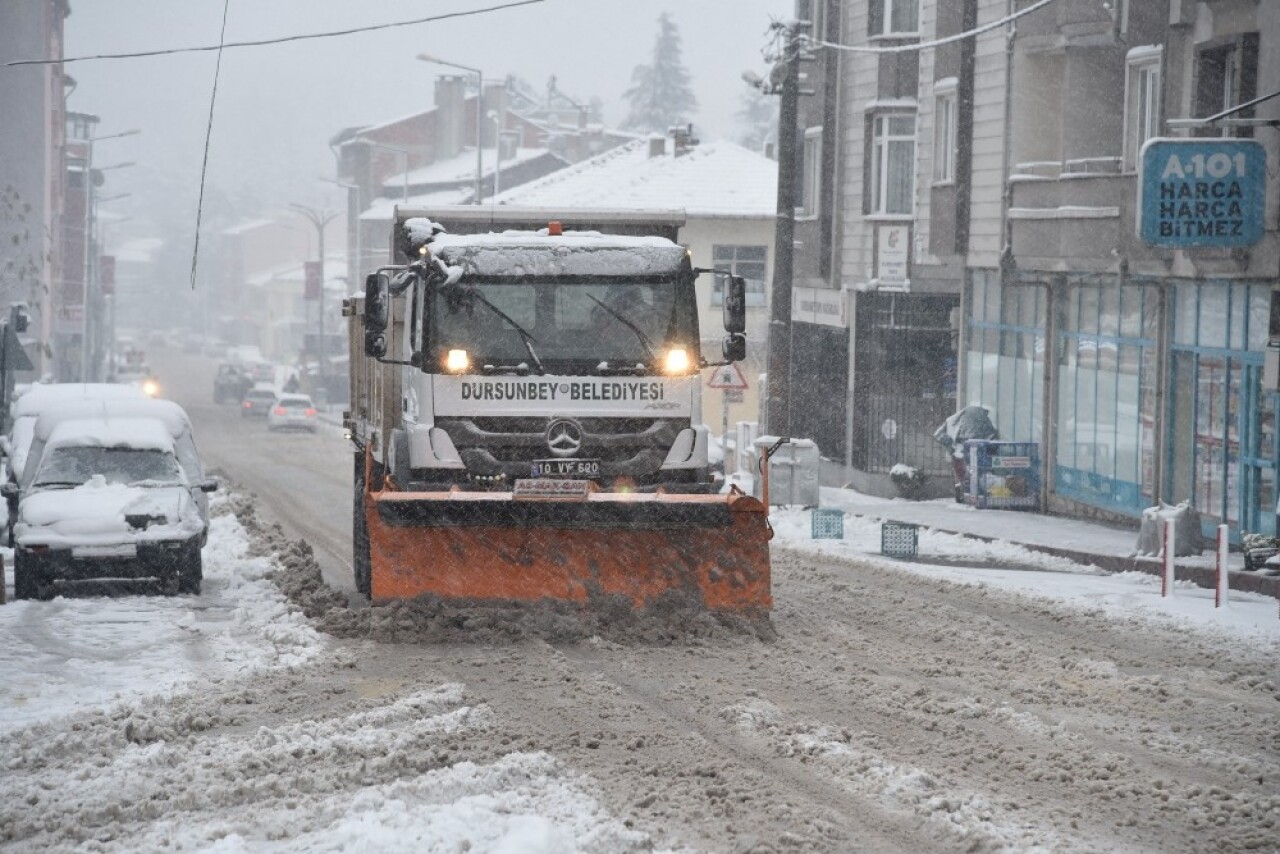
(461, 167)
(720, 179)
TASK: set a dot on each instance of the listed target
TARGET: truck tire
(361, 565)
(191, 572)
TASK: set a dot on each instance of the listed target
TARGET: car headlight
(150, 388)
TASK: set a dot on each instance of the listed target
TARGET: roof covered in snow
(460, 168)
(716, 179)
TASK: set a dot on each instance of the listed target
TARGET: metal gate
(900, 430)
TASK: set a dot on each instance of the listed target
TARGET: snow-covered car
(44, 396)
(106, 499)
(257, 401)
(292, 412)
(34, 400)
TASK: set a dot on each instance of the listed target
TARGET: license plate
(565, 468)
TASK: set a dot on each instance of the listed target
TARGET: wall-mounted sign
(818, 305)
(893, 254)
(1202, 192)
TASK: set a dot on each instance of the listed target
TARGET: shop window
(1142, 102)
(745, 261)
(891, 189)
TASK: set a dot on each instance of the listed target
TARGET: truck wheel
(191, 573)
(361, 566)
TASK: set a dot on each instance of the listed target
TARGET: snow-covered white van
(111, 490)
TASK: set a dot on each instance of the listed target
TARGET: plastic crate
(1003, 475)
(899, 539)
(828, 524)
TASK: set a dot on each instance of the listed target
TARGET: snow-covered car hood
(98, 513)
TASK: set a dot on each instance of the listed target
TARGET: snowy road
(894, 711)
(302, 480)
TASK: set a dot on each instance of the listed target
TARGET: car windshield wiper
(525, 336)
(44, 483)
(644, 339)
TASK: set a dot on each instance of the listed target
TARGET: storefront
(1124, 431)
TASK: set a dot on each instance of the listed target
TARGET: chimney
(683, 140)
(451, 103)
(770, 150)
(657, 146)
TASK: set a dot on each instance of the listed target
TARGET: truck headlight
(676, 361)
(457, 361)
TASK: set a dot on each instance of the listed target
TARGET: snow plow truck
(527, 421)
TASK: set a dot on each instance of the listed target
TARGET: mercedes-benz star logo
(564, 437)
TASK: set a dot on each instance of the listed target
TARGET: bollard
(1223, 581)
(1166, 578)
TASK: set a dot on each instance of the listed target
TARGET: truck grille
(498, 445)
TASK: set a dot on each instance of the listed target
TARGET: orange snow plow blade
(494, 546)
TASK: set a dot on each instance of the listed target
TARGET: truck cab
(544, 353)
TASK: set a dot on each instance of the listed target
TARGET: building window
(893, 17)
(1226, 76)
(1142, 102)
(892, 161)
(745, 261)
(811, 173)
(944, 135)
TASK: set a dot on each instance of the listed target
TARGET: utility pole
(319, 219)
(778, 402)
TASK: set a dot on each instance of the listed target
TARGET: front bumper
(158, 560)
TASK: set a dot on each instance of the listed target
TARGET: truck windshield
(572, 325)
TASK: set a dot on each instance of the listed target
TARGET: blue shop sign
(1202, 192)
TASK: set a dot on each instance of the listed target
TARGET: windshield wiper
(527, 338)
(72, 483)
(644, 339)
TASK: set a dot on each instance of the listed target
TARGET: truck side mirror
(734, 347)
(377, 304)
(735, 305)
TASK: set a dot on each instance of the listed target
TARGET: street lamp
(355, 253)
(91, 321)
(319, 219)
(479, 112)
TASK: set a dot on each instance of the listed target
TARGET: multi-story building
(989, 239)
(31, 162)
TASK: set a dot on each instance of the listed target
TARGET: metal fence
(900, 430)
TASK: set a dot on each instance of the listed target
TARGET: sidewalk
(1103, 546)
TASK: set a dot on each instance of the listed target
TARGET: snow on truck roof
(149, 434)
(539, 253)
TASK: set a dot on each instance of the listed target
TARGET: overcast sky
(278, 105)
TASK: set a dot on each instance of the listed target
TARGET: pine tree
(660, 96)
(758, 117)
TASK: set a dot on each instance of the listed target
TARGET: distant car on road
(230, 383)
(292, 412)
(257, 401)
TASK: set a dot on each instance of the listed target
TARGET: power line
(281, 40)
(904, 48)
(208, 134)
